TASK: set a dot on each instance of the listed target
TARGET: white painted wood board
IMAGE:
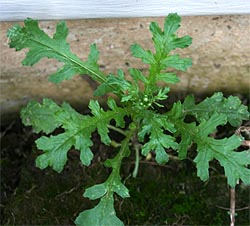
(13, 10)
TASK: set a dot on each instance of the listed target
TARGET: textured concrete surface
(220, 53)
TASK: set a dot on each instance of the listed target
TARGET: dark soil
(160, 195)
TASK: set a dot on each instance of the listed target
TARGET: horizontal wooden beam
(79, 9)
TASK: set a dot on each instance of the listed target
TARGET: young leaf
(171, 24)
(41, 45)
(158, 141)
(104, 118)
(166, 40)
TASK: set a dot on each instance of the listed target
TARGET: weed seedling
(139, 98)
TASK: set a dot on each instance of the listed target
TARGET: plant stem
(117, 130)
(137, 160)
(123, 152)
(232, 206)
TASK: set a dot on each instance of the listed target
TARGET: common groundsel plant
(138, 99)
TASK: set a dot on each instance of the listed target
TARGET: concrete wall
(81, 9)
(220, 53)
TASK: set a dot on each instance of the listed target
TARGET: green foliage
(231, 107)
(234, 163)
(155, 125)
(138, 98)
(41, 45)
(102, 214)
(78, 129)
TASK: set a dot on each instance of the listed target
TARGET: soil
(169, 194)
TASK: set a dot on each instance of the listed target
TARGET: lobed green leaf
(55, 151)
(167, 40)
(154, 126)
(171, 24)
(102, 214)
(78, 129)
(40, 45)
(104, 118)
(230, 107)
(235, 163)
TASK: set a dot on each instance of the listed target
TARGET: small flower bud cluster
(145, 102)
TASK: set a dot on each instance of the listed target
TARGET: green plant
(139, 98)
